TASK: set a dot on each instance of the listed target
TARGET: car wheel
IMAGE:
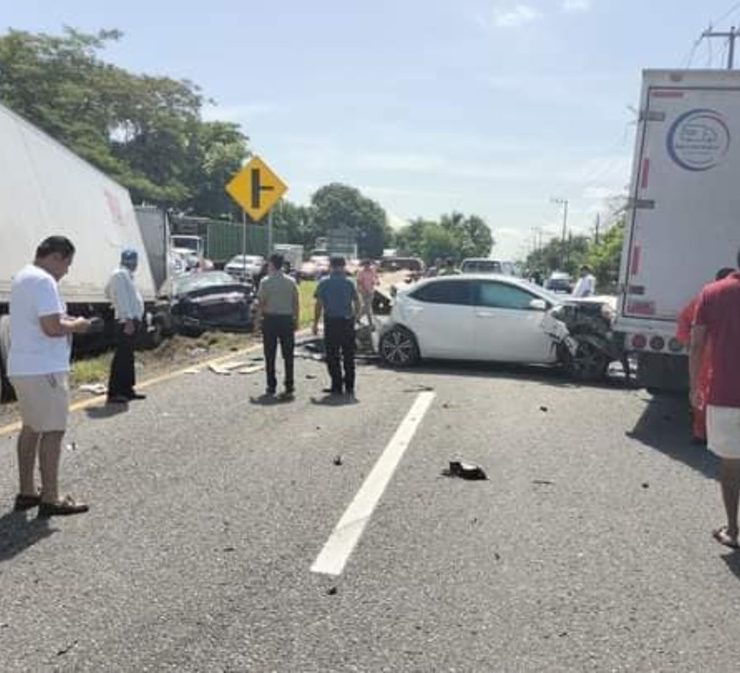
(588, 363)
(398, 348)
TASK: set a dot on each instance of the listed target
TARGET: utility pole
(564, 203)
(731, 37)
(596, 228)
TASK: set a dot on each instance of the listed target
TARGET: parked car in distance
(244, 267)
(393, 264)
(482, 265)
(209, 300)
(315, 266)
(488, 318)
(559, 282)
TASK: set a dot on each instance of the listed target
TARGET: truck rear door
(684, 223)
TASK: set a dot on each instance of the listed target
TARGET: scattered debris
(544, 409)
(195, 352)
(474, 520)
(310, 377)
(219, 370)
(251, 369)
(192, 370)
(66, 649)
(332, 591)
(318, 427)
(229, 548)
(338, 460)
(94, 388)
(645, 484)
(447, 405)
(497, 556)
(72, 446)
(4, 625)
(543, 482)
(465, 471)
(418, 389)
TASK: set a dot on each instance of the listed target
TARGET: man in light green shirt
(278, 314)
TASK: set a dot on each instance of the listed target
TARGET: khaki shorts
(723, 431)
(43, 401)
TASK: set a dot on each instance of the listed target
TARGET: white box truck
(46, 189)
(683, 214)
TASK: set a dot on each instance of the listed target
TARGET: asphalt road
(588, 549)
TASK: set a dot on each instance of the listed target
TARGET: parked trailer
(46, 189)
(682, 222)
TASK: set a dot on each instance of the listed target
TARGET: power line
(732, 9)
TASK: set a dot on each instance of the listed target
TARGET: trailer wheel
(7, 393)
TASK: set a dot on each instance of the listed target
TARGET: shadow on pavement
(334, 401)
(271, 400)
(106, 411)
(18, 533)
(665, 427)
(553, 376)
(732, 561)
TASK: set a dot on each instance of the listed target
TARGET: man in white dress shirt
(586, 285)
(129, 310)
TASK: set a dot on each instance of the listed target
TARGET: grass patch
(91, 370)
(306, 290)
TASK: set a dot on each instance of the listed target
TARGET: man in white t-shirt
(38, 367)
(586, 285)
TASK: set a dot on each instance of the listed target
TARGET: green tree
(438, 242)
(605, 258)
(472, 235)
(146, 132)
(338, 206)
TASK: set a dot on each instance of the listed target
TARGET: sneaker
(136, 396)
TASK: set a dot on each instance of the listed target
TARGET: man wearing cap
(128, 306)
(337, 299)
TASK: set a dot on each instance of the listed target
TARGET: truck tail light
(657, 343)
(639, 342)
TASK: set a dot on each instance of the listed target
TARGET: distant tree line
(148, 133)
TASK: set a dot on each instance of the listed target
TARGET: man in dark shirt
(717, 322)
(336, 297)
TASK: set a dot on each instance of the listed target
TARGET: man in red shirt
(717, 321)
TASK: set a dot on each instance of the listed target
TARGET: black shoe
(332, 391)
(270, 392)
(136, 396)
(350, 393)
(25, 502)
(287, 394)
(118, 399)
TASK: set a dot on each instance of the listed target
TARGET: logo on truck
(698, 140)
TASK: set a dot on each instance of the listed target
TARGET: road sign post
(257, 189)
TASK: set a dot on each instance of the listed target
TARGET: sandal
(64, 507)
(25, 502)
(724, 538)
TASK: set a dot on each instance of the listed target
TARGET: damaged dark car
(210, 300)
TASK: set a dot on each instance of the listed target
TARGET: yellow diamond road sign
(256, 188)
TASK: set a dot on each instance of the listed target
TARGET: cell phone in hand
(96, 325)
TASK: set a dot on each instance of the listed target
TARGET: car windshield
(248, 259)
(541, 292)
(481, 266)
(199, 281)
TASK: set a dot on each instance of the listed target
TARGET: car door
(507, 328)
(440, 314)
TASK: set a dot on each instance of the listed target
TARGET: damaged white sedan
(499, 319)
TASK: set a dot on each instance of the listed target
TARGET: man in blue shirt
(336, 297)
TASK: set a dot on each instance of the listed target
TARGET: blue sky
(484, 106)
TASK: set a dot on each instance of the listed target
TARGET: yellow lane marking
(84, 404)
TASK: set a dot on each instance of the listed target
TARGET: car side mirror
(538, 305)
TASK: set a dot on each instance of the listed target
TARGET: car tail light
(657, 343)
(675, 346)
(639, 341)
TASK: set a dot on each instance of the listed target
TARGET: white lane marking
(339, 546)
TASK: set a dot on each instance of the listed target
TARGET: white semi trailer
(46, 189)
(683, 217)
